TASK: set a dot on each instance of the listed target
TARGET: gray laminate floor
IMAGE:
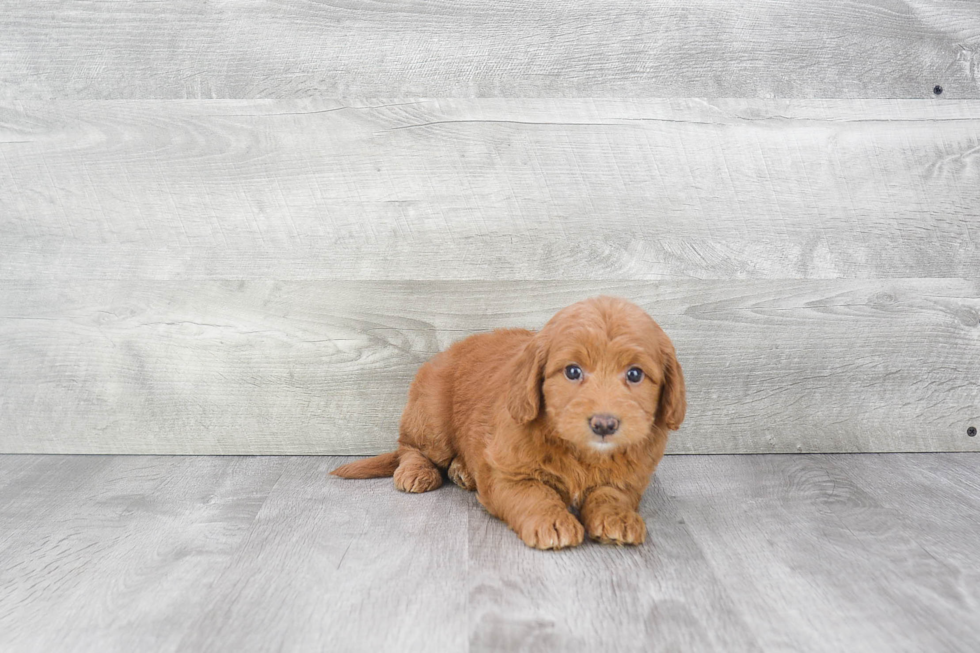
(777, 553)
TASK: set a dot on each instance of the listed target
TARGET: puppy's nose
(603, 424)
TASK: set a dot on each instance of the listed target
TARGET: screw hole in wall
(937, 89)
(972, 431)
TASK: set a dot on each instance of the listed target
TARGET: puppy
(573, 416)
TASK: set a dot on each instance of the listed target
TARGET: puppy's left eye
(634, 375)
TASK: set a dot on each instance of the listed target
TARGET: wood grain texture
(264, 367)
(661, 597)
(941, 518)
(335, 566)
(807, 553)
(123, 545)
(490, 189)
(512, 48)
(818, 563)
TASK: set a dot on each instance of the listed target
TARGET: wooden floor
(872, 552)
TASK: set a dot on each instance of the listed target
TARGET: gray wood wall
(216, 238)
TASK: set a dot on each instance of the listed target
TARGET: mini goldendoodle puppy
(573, 416)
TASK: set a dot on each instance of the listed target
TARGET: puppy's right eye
(573, 372)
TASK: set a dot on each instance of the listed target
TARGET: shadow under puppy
(575, 415)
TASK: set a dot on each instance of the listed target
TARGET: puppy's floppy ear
(524, 400)
(673, 395)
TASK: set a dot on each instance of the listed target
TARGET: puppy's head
(603, 374)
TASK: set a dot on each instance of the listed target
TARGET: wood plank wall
(240, 228)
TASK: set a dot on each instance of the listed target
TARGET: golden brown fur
(498, 413)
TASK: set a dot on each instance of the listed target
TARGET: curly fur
(497, 413)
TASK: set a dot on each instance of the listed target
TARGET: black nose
(603, 424)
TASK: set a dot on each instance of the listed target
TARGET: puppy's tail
(383, 465)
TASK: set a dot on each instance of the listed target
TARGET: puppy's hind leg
(415, 472)
(458, 475)
(424, 442)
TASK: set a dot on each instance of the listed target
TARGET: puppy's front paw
(552, 531)
(617, 527)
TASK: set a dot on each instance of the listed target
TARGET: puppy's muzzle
(603, 425)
